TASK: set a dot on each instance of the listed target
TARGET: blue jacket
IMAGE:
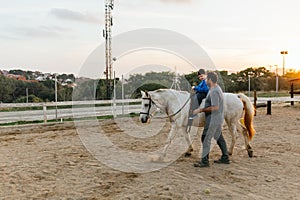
(202, 87)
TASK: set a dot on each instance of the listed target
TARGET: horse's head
(147, 107)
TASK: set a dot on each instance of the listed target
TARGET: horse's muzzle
(144, 119)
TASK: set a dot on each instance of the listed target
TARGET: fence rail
(67, 103)
(277, 99)
(79, 109)
(82, 109)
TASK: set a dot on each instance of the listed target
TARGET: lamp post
(114, 99)
(114, 59)
(122, 94)
(249, 82)
(56, 97)
(26, 95)
(249, 85)
(283, 53)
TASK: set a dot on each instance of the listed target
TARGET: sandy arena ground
(50, 162)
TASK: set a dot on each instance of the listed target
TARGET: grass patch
(20, 109)
(21, 123)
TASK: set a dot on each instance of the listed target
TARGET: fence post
(292, 93)
(269, 108)
(45, 113)
(255, 99)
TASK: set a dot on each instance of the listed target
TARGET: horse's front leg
(232, 131)
(187, 137)
(169, 140)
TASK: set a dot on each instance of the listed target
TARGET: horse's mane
(170, 90)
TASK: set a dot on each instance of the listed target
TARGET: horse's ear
(144, 94)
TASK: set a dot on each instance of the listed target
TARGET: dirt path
(39, 162)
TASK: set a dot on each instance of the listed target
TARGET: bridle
(149, 106)
(169, 116)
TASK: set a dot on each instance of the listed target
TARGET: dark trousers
(210, 131)
(196, 101)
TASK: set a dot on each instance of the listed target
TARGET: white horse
(175, 104)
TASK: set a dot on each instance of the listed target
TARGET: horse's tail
(248, 115)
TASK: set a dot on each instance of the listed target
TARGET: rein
(180, 108)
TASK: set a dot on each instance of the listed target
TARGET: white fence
(77, 109)
(277, 99)
(87, 109)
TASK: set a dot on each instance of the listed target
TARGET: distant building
(16, 77)
(4, 72)
(40, 78)
(68, 81)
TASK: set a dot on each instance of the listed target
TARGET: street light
(114, 59)
(249, 82)
(26, 95)
(55, 87)
(114, 99)
(249, 85)
(283, 53)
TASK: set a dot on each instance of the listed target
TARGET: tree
(85, 90)
(146, 87)
(19, 90)
(65, 93)
(7, 87)
(192, 78)
(31, 98)
(147, 82)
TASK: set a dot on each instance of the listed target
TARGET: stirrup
(189, 124)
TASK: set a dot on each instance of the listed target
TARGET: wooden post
(269, 108)
(45, 113)
(292, 93)
(255, 99)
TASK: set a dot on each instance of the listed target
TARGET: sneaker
(201, 164)
(222, 161)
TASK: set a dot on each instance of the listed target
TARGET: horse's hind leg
(247, 142)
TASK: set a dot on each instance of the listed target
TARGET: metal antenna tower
(175, 81)
(109, 6)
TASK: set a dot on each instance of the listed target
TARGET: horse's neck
(175, 100)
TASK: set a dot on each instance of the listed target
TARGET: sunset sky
(58, 36)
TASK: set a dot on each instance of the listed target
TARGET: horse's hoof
(187, 154)
(250, 153)
(155, 158)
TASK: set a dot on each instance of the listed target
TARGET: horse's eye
(146, 105)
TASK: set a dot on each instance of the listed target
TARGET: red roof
(294, 80)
